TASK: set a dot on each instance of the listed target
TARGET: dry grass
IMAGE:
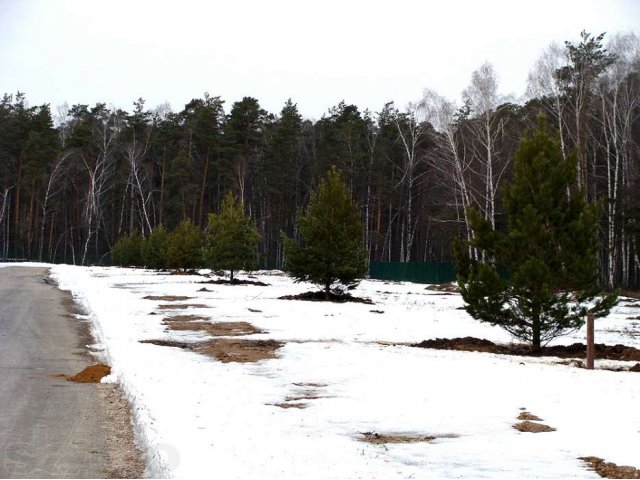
(178, 306)
(167, 298)
(531, 427)
(219, 329)
(529, 416)
(610, 470)
(383, 439)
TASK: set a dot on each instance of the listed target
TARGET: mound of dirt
(91, 374)
(531, 427)
(576, 350)
(635, 368)
(236, 281)
(318, 296)
(610, 470)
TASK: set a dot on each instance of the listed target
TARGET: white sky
(365, 52)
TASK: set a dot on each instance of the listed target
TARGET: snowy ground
(196, 416)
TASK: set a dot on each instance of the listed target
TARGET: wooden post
(590, 342)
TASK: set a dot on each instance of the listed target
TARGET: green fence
(419, 272)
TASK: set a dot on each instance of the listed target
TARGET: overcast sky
(365, 52)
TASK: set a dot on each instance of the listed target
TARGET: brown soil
(531, 427)
(168, 298)
(376, 311)
(635, 368)
(577, 350)
(610, 470)
(300, 405)
(243, 351)
(186, 318)
(381, 439)
(91, 374)
(221, 329)
(235, 281)
(178, 306)
(318, 296)
(227, 349)
(529, 416)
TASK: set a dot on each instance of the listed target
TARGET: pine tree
(127, 251)
(331, 249)
(184, 250)
(540, 279)
(154, 248)
(231, 239)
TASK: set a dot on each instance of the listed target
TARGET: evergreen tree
(547, 257)
(127, 251)
(231, 239)
(331, 249)
(154, 248)
(184, 250)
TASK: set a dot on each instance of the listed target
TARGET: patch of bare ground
(385, 438)
(91, 374)
(218, 329)
(167, 298)
(123, 457)
(532, 427)
(635, 368)
(445, 287)
(576, 350)
(610, 470)
(529, 416)
(285, 405)
(317, 296)
(236, 281)
(228, 349)
(182, 272)
(180, 306)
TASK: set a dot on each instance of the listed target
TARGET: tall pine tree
(547, 257)
(232, 238)
(331, 249)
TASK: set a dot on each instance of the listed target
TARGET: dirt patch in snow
(577, 350)
(218, 329)
(236, 281)
(91, 374)
(179, 306)
(285, 405)
(384, 438)
(228, 349)
(242, 351)
(635, 368)
(318, 296)
(445, 287)
(529, 416)
(532, 427)
(610, 470)
(167, 298)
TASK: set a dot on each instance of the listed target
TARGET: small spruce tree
(184, 249)
(154, 248)
(331, 247)
(231, 238)
(127, 251)
(546, 259)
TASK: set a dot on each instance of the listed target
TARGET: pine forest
(75, 179)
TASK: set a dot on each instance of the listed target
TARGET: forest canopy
(74, 181)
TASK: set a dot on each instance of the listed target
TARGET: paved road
(48, 427)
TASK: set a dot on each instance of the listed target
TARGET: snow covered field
(196, 416)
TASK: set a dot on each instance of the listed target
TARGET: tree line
(74, 181)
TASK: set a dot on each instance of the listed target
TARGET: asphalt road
(49, 427)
